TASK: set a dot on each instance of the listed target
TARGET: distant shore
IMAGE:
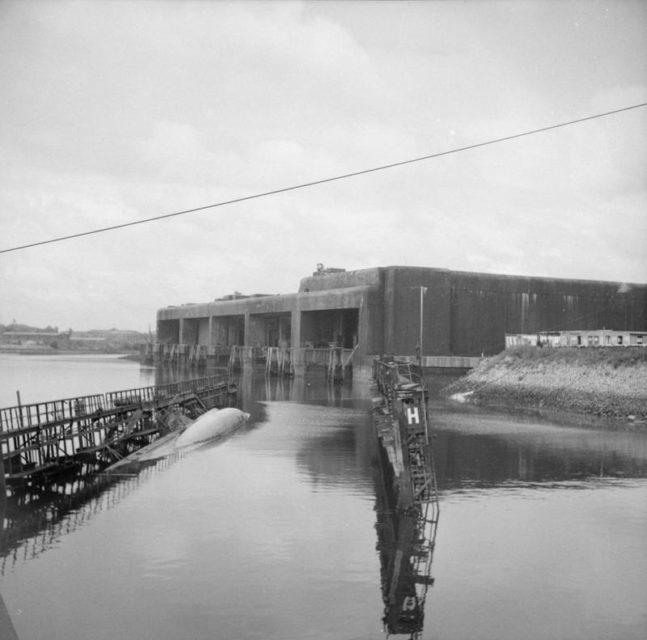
(606, 382)
(48, 351)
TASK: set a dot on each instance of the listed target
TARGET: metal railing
(46, 436)
(392, 374)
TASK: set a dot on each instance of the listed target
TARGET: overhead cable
(325, 180)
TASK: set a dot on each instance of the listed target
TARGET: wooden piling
(3, 492)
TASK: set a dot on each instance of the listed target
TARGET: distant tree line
(14, 326)
(97, 340)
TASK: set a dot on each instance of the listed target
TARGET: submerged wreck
(84, 435)
(407, 496)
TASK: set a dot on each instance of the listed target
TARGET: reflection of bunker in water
(377, 311)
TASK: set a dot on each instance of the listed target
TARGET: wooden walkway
(38, 440)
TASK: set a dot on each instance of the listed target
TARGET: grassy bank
(603, 381)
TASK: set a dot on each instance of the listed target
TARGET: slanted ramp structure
(407, 494)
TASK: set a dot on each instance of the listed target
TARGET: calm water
(271, 534)
(42, 378)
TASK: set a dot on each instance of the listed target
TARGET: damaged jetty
(85, 435)
(407, 494)
(66, 460)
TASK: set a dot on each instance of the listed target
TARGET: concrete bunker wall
(462, 313)
(168, 331)
(485, 307)
(402, 304)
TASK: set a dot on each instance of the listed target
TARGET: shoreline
(126, 355)
(604, 382)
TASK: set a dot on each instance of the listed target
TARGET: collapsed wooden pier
(407, 496)
(40, 440)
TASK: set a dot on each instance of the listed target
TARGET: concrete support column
(298, 362)
(210, 341)
(181, 332)
(248, 329)
(364, 335)
(246, 361)
(295, 326)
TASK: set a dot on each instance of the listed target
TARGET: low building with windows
(603, 338)
(579, 338)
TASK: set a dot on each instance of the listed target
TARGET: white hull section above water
(215, 423)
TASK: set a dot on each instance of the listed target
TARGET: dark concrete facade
(464, 314)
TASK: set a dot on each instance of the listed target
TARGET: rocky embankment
(604, 381)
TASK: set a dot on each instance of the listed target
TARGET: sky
(113, 112)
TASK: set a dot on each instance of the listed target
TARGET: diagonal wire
(313, 183)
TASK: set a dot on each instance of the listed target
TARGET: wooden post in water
(3, 492)
(19, 408)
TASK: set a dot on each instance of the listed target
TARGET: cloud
(115, 112)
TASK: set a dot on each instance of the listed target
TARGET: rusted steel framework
(39, 440)
(407, 495)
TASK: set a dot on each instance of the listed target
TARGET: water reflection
(254, 386)
(36, 517)
(301, 479)
(489, 449)
(406, 542)
(7, 630)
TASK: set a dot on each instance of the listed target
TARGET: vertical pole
(3, 487)
(421, 308)
(22, 424)
(3, 492)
